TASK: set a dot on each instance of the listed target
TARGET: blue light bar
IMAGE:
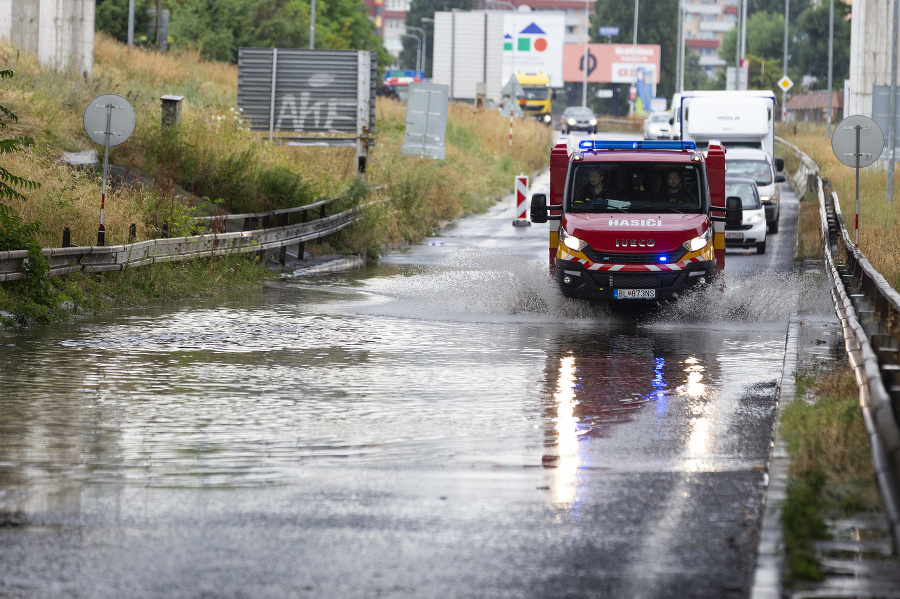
(596, 144)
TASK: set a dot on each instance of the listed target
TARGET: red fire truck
(638, 220)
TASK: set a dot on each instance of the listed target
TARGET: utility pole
(587, 38)
(787, 5)
(678, 61)
(130, 23)
(892, 124)
(830, 65)
(634, 56)
(312, 25)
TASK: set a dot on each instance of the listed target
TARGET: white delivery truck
(736, 118)
(743, 118)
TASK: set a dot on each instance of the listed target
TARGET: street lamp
(421, 67)
(634, 55)
(418, 46)
(587, 38)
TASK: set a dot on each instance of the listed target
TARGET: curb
(767, 580)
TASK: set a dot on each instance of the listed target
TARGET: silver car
(656, 126)
(578, 118)
(756, 164)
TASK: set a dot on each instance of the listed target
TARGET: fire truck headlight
(571, 242)
(698, 243)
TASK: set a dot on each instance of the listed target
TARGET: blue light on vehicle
(597, 144)
(662, 258)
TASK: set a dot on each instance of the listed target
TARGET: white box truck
(736, 118)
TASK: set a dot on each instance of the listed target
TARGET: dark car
(578, 118)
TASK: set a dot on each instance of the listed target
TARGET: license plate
(734, 235)
(634, 293)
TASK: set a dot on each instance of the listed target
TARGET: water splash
(480, 283)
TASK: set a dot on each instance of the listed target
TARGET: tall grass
(831, 472)
(213, 162)
(879, 225)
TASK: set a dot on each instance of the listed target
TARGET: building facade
(705, 24)
(59, 32)
(392, 17)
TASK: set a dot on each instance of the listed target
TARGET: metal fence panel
(426, 120)
(881, 114)
(287, 90)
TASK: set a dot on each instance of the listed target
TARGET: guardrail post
(67, 238)
(165, 230)
(132, 233)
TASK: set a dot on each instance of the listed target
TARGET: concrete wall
(870, 53)
(59, 32)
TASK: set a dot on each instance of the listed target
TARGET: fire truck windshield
(635, 188)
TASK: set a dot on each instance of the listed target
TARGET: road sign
(609, 31)
(108, 120)
(513, 88)
(857, 141)
(785, 83)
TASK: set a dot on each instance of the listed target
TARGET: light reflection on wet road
(441, 425)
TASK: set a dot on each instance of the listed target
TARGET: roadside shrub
(33, 299)
(280, 187)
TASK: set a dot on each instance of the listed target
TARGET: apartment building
(705, 24)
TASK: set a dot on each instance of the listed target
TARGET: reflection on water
(475, 366)
(567, 432)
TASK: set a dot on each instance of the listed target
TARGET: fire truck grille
(635, 280)
(608, 258)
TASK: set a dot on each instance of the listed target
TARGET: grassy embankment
(212, 162)
(831, 465)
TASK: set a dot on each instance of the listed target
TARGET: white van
(757, 164)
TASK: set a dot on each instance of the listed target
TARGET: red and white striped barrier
(521, 202)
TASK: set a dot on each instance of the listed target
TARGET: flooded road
(443, 424)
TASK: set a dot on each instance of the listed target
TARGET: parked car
(756, 164)
(578, 118)
(752, 230)
(656, 126)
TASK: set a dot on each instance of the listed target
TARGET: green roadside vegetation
(831, 474)
(212, 164)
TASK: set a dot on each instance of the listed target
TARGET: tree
(417, 10)
(9, 181)
(765, 38)
(220, 27)
(777, 7)
(810, 54)
(655, 26)
(112, 19)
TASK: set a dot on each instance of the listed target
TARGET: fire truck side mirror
(734, 211)
(539, 209)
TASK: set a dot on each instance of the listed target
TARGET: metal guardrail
(869, 311)
(95, 259)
